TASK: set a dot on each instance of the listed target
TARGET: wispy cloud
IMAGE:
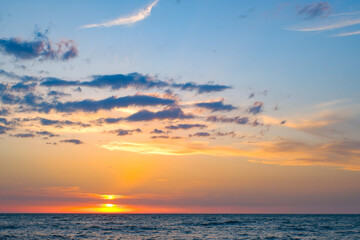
(315, 10)
(330, 26)
(138, 16)
(347, 34)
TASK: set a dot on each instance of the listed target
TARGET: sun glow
(110, 197)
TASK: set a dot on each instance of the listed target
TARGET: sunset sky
(180, 106)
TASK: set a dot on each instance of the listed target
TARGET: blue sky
(284, 93)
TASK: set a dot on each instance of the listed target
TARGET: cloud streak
(139, 16)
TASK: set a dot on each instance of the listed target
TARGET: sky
(180, 106)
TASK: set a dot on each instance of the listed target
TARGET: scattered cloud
(4, 129)
(158, 131)
(138, 16)
(222, 119)
(38, 48)
(23, 135)
(124, 132)
(185, 126)
(133, 80)
(200, 134)
(216, 106)
(47, 134)
(315, 10)
(74, 141)
(89, 105)
(171, 113)
(256, 108)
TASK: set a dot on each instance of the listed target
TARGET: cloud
(55, 82)
(347, 34)
(139, 16)
(23, 135)
(315, 10)
(47, 134)
(74, 141)
(4, 129)
(118, 81)
(336, 24)
(22, 87)
(201, 88)
(216, 106)
(57, 94)
(134, 80)
(171, 113)
(4, 112)
(340, 154)
(161, 136)
(38, 48)
(166, 148)
(222, 119)
(185, 126)
(105, 104)
(158, 131)
(223, 134)
(124, 132)
(256, 108)
(343, 154)
(200, 134)
(59, 123)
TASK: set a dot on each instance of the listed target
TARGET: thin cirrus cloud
(315, 10)
(128, 20)
(340, 22)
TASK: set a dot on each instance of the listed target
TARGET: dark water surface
(178, 226)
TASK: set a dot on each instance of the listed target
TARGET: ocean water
(178, 226)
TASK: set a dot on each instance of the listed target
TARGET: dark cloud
(216, 106)
(4, 129)
(4, 112)
(256, 123)
(171, 113)
(23, 135)
(74, 141)
(161, 136)
(10, 99)
(60, 123)
(251, 95)
(105, 104)
(24, 78)
(38, 48)
(3, 87)
(223, 134)
(158, 131)
(315, 10)
(201, 88)
(200, 134)
(47, 134)
(283, 122)
(237, 119)
(22, 87)
(134, 80)
(118, 81)
(57, 94)
(256, 108)
(185, 126)
(56, 82)
(124, 132)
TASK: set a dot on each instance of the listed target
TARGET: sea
(178, 226)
